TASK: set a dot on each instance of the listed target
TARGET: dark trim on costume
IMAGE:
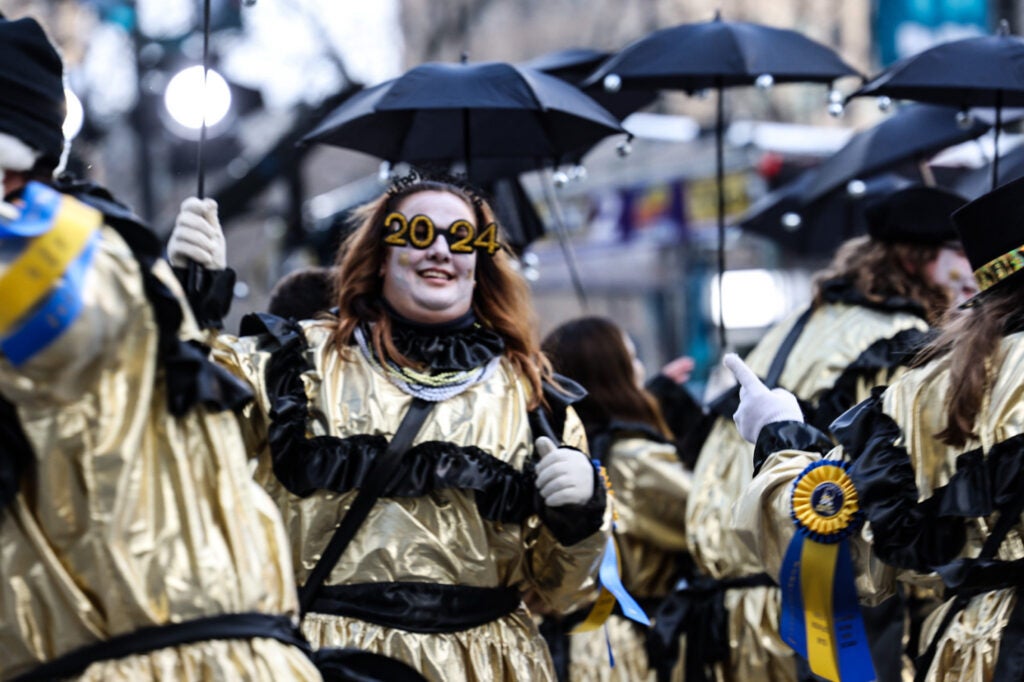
(840, 290)
(697, 611)
(601, 440)
(418, 607)
(458, 345)
(884, 354)
(788, 435)
(149, 639)
(209, 294)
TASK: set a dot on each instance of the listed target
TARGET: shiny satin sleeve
(565, 578)
(761, 518)
(247, 361)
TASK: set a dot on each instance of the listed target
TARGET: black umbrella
(468, 112)
(459, 112)
(720, 54)
(819, 227)
(987, 71)
(911, 134)
(978, 181)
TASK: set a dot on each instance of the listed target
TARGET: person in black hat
(871, 309)
(134, 544)
(937, 460)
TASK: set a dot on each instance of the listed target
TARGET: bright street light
(75, 116)
(184, 97)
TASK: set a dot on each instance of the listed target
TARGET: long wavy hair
(881, 270)
(592, 351)
(501, 297)
(971, 340)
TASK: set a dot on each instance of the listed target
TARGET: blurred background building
(641, 224)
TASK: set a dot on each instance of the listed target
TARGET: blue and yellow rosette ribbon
(609, 577)
(41, 289)
(820, 613)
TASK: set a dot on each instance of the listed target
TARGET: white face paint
(431, 285)
(952, 270)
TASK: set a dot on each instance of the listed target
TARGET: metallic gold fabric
(968, 649)
(835, 335)
(439, 538)
(132, 518)
(650, 488)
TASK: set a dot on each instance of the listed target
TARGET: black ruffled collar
(457, 345)
(842, 290)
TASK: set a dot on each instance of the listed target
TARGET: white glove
(564, 476)
(759, 406)
(197, 236)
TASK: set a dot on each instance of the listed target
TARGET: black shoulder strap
(1009, 516)
(786, 347)
(380, 473)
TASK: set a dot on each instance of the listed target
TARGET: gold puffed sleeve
(565, 577)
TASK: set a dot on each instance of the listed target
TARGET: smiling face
(431, 285)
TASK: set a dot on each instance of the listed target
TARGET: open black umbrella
(817, 228)
(911, 134)
(720, 54)
(978, 181)
(490, 111)
(459, 112)
(986, 71)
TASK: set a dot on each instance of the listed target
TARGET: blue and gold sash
(820, 613)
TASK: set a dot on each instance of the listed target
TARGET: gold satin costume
(835, 335)
(651, 488)
(968, 649)
(131, 517)
(439, 538)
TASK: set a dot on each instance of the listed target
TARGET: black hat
(32, 106)
(914, 215)
(992, 231)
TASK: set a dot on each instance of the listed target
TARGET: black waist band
(145, 640)
(418, 607)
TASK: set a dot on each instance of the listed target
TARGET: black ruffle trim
(191, 377)
(842, 291)
(788, 435)
(457, 346)
(304, 465)
(922, 536)
(883, 354)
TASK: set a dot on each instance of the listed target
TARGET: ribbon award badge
(820, 614)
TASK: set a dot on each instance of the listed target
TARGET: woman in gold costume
(134, 544)
(871, 309)
(491, 497)
(628, 435)
(938, 464)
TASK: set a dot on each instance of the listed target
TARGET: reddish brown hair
(501, 297)
(971, 340)
(592, 352)
(881, 270)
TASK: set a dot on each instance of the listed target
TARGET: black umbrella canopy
(817, 228)
(721, 54)
(459, 112)
(978, 181)
(986, 71)
(912, 133)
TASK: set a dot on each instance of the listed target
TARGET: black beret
(914, 215)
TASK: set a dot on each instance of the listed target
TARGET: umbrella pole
(563, 239)
(720, 182)
(193, 271)
(995, 139)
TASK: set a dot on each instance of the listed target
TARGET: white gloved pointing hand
(197, 236)
(759, 406)
(564, 476)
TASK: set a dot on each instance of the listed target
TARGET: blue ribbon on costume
(820, 615)
(54, 316)
(36, 215)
